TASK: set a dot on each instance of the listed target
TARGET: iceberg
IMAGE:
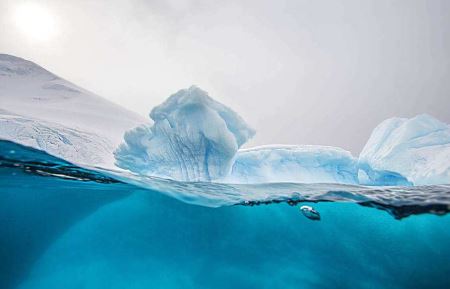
(294, 163)
(193, 138)
(414, 151)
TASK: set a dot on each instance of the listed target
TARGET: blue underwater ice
(63, 226)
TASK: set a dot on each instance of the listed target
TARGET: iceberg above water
(292, 163)
(193, 138)
(415, 149)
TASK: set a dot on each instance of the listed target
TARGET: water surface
(64, 226)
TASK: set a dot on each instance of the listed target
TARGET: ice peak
(428, 121)
(194, 99)
(192, 95)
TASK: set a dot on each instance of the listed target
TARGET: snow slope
(70, 144)
(31, 91)
(55, 107)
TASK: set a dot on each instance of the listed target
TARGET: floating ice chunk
(310, 213)
(193, 138)
(292, 163)
(416, 149)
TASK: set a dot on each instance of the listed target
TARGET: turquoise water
(62, 226)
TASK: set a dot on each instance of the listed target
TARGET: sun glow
(35, 21)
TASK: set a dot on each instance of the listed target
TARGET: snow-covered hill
(47, 106)
(70, 144)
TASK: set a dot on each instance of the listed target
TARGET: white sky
(299, 72)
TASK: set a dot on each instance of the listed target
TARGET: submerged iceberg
(416, 150)
(292, 163)
(193, 138)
